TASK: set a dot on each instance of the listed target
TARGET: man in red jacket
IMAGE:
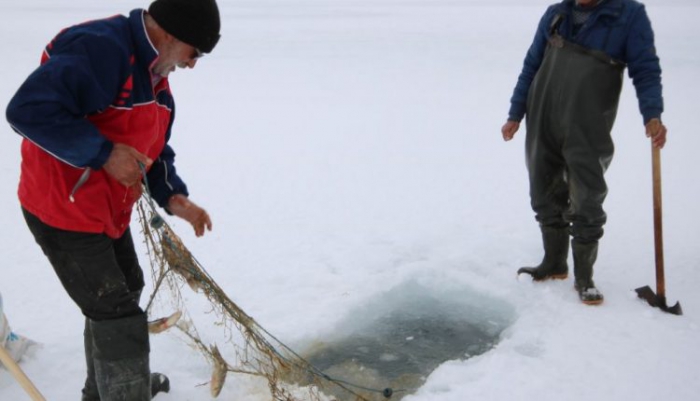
(95, 115)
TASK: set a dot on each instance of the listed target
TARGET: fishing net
(256, 352)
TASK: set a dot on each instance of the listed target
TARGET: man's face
(174, 53)
(586, 2)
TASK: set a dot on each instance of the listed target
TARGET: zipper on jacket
(82, 180)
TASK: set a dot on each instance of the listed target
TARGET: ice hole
(396, 340)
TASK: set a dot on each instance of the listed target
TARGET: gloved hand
(185, 209)
(656, 130)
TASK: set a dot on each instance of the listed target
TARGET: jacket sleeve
(533, 60)
(162, 177)
(81, 76)
(643, 66)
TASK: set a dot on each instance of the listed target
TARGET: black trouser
(102, 275)
(572, 104)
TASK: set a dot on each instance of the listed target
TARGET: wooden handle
(658, 229)
(19, 375)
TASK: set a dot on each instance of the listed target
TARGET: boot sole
(552, 277)
(531, 273)
(593, 303)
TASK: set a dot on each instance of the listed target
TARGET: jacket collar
(609, 7)
(144, 50)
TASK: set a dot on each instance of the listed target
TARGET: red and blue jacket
(94, 88)
(620, 28)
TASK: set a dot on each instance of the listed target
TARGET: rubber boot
(556, 251)
(585, 255)
(90, 392)
(159, 384)
(120, 357)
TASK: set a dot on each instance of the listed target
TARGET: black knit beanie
(195, 22)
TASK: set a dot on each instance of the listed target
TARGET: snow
(345, 148)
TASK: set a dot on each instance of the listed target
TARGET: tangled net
(289, 376)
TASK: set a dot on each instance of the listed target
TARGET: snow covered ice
(346, 148)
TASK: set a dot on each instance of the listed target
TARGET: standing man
(569, 89)
(96, 113)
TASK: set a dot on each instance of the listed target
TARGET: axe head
(647, 294)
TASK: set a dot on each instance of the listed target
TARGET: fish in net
(256, 351)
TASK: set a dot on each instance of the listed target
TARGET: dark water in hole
(397, 340)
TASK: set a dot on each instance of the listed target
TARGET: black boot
(90, 389)
(159, 384)
(120, 356)
(556, 251)
(585, 255)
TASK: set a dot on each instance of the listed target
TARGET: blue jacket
(620, 28)
(93, 88)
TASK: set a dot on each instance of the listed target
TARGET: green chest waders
(571, 108)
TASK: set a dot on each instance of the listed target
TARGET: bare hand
(656, 130)
(187, 210)
(509, 129)
(123, 164)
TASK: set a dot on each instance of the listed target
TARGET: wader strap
(599, 55)
(554, 26)
(556, 40)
